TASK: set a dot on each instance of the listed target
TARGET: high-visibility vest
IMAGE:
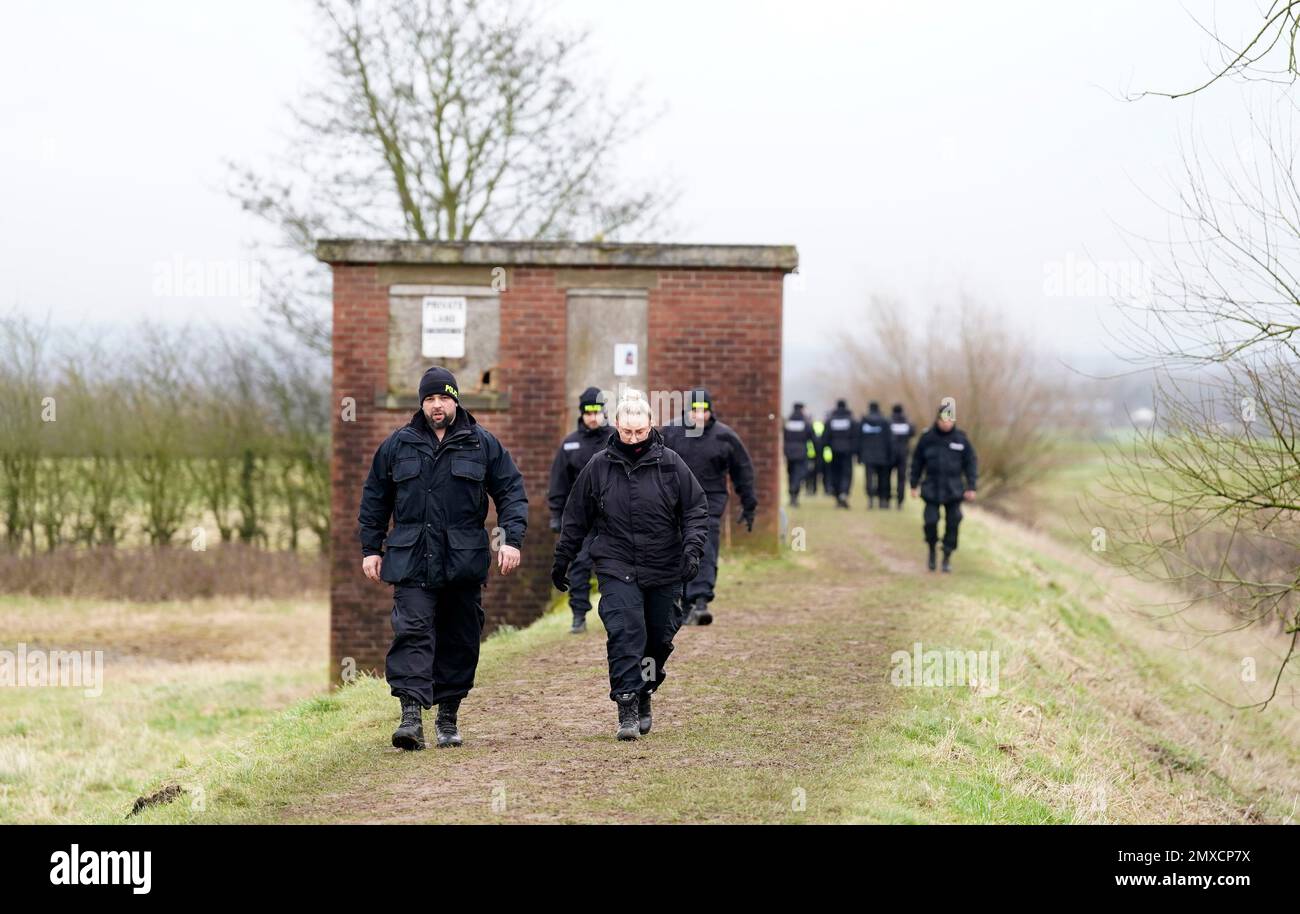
(818, 427)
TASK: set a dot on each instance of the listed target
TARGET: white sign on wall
(443, 330)
(625, 359)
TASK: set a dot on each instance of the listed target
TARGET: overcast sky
(909, 150)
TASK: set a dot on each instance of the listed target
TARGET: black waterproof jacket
(713, 453)
(650, 516)
(436, 495)
(943, 464)
(577, 448)
(795, 436)
(875, 443)
(841, 431)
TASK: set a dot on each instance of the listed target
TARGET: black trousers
(900, 468)
(436, 634)
(814, 473)
(640, 623)
(796, 470)
(878, 482)
(580, 577)
(841, 474)
(703, 583)
(951, 520)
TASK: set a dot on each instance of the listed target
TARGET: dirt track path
(767, 698)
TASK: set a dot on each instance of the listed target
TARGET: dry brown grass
(153, 574)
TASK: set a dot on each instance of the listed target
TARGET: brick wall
(718, 328)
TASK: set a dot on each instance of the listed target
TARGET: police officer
(842, 438)
(815, 467)
(945, 460)
(796, 441)
(713, 451)
(651, 519)
(902, 431)
(876, 452)
(577, 448)
(432, 476)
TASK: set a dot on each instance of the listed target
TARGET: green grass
(784, 711)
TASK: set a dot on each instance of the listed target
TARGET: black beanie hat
(873, 407)
(438, 380)
(591, 398)
(699, 395)
(898, 409)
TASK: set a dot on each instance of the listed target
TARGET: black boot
(930, 563)
(900, 504)
(871, 503)
(579, 623)
(629, 724)
(702, 614)
(947, 565)
(688, 611)
(409, 734)
(445, 723)
(643, 709)
(794, 499)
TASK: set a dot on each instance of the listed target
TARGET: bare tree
(1267, 51)
(1209, 496)
(1011, 402)
(444, 120)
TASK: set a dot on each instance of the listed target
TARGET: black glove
(555, 524)
(560, 575)
(690, 568)
(747, 518)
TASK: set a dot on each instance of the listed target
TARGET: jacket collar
(653, 452)
(593, 431)
(418, 433)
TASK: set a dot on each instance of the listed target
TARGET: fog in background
(915, 152)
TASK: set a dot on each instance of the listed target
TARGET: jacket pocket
(406, 468)
(470, 472)
(402, 554)
(468, 468)
(468, 556)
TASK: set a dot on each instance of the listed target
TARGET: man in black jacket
(945, 458)
(875, 451)
(432, 477)
(651, 520)
(796, 437)
(713, 451)
(842, 436)
(577, 448)
(901, 431)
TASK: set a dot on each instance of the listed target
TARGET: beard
(446, 420)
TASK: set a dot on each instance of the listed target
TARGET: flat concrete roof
(782, 257)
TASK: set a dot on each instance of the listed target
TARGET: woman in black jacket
(945, 459)
(651, 520)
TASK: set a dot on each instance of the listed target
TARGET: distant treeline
(160, 437)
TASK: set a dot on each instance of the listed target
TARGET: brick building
(526, 326)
